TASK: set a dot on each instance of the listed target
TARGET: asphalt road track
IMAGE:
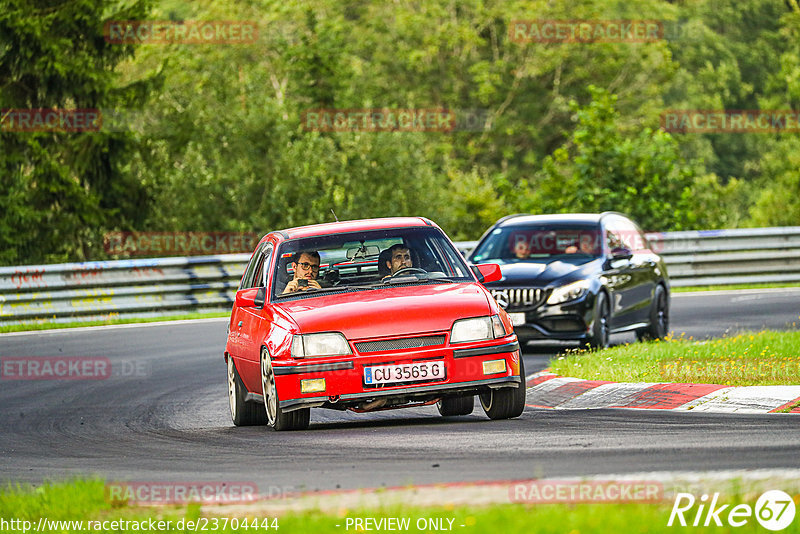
(169, 421)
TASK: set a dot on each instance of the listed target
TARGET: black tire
(462, 405)
(659, 317)
(505, 403)
(277, 419)
(598, 339)
(243, 413)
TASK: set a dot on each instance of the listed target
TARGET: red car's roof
(354, 226)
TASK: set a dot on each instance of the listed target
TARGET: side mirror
(261, 297)
(487, 272)
(253, 297)
(621, 253)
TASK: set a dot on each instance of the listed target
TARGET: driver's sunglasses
(306, 266)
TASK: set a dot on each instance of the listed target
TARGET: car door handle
(240, 324)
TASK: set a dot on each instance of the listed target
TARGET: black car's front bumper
(567, 321)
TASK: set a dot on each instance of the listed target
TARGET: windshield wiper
(414, 280)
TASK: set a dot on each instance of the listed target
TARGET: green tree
(601, 168)
(60, 189)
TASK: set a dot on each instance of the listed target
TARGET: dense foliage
(209, 137)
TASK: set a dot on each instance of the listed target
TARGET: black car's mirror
(621, 253)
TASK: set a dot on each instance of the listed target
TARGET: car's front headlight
(568, 292)
(477, 329)
(316, 345)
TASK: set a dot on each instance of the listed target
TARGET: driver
(306, 267)
(399, 258)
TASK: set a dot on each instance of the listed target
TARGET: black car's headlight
(569, 292)
(477, 329)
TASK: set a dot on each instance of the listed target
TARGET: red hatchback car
(367, 315)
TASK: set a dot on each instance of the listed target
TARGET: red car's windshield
(369, 259)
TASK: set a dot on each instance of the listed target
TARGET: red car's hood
(404, 310)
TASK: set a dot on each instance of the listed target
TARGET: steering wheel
(409, 270)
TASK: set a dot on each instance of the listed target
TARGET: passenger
(306, 268)
(585, 246)
(521, 249)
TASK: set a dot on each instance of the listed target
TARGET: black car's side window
(614, 237)
(624, 233)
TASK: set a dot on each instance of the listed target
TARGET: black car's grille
(399, 344)
(519, 297)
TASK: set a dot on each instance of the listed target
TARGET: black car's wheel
(659, 317)
(598, 338)
(243, 413)
(277, 419)
(462, 405)
(504, 403)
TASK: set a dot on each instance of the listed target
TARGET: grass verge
(84, 501)
(110, 321)
(747, 359)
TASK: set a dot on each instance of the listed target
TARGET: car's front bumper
(344, 379)
(568, 321)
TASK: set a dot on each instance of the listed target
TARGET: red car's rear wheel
(242, 413)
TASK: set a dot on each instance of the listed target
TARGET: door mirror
(487, 272)
(621, 253)
(253, 297)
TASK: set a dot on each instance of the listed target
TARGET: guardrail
(99, 290)
(74, 292)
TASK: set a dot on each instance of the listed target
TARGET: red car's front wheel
(505, 403)
(277, 419)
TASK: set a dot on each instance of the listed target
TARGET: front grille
(399, 344)
(519, 298)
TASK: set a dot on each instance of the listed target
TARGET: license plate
(405, 372)
(517, 318)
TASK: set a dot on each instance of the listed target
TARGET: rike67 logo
(774, 510)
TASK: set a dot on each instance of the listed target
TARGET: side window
(258, 279)
(254, 274)
(614, 237)
(624, 233)
(249, 270)
(633, 236)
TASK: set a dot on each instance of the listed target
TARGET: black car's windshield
(541, 243)
(366, 260)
